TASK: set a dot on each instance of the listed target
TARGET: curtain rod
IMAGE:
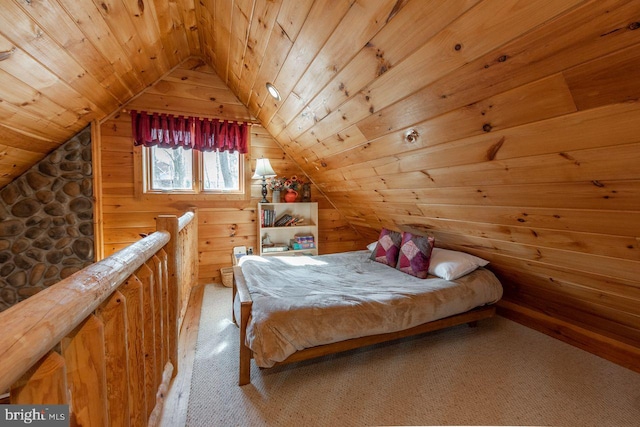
(251, 123)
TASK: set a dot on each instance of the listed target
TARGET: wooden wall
(224, 222)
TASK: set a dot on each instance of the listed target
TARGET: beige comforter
(301, 302)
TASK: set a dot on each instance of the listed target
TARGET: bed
(300, 307)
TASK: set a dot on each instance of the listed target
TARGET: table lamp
(264, 171)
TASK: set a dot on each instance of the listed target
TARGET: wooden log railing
(104, 340)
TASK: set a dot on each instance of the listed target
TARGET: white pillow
(450, 265)
(372, 246)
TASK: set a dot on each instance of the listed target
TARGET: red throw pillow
(415, 254)
(388, 247)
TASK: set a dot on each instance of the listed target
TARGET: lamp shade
(263, 169)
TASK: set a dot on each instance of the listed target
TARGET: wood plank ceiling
(64, 63)
(526, 113)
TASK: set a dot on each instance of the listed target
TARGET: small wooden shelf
(283, 234)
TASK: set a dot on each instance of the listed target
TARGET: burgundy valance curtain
(169, 131)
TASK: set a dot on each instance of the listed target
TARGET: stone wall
(46, 222)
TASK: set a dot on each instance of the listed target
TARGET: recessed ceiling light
(273, 91)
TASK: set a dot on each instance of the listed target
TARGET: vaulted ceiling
(349, 72)
(64, 63)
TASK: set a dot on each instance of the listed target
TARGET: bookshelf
(282, 235)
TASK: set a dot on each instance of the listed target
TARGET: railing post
(83, 351)
(145, 275)
(112, 314)
(132, 290)
(173, 249)
(44, 383)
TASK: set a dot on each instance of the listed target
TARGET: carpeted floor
(500, 373)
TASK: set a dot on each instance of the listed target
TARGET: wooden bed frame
(240, 288)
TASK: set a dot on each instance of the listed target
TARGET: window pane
(221, 171)
(171, 169)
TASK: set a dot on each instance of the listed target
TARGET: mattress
(306, 301)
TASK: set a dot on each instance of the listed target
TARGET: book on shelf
(275, 248)
(302, 241)
(282, 220)
(287, 220)
(296, 246)
(294, 221)
(267, 217)
(304, 238)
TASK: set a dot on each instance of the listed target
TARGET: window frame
(199, 171)
(148, 179)
(144, 183)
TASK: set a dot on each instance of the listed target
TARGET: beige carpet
(500, 373)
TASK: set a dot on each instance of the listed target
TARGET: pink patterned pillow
(386, 252)
(415, 254)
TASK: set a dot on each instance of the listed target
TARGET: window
(221, 171)
(182, 170)
(170, 169)
(190, 154)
